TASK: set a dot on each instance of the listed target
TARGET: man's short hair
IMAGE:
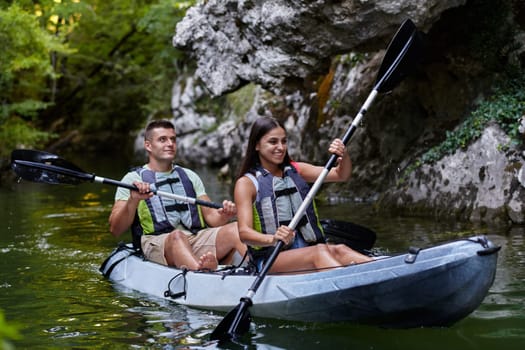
(155, 124)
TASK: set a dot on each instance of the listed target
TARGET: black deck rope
(121, 246)
(482, 240)
(234, 269)
(169, 293)
(487, 249)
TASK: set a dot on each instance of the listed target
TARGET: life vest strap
(285, 192)
(168, 181)
(303, 221)
(177, 207)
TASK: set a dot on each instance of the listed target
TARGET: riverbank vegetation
(505, 107)
(70, 68)
(90, 72)
(488, 41)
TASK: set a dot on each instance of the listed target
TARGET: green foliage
(92, 65)
(159, 22)
(7, 332)
(28, 108)
(126, 63)
(353, 59)
(26, 47)
(25, 72)
(242, 100)
(506, 107)
(24, 62)
(18, 133)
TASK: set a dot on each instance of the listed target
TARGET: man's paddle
(43, 167)
(355, 236)
(39, 166)
(399, 60)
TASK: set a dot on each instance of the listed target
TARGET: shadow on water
(53, 239)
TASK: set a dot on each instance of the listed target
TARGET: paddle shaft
(388, 78)
(103, 180)
(181, 198)
(246, 302)
(350, 132)
(331, 162)
(354, 125)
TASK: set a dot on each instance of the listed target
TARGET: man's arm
(123, 212)
(122, 216)
(213, 217)
(218, 217)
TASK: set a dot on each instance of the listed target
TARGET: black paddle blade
(38, 166)
(353, 235)
(44, 158)
(401, 57)
(234, 324)
(33, 174)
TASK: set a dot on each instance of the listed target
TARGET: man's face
(162, 144)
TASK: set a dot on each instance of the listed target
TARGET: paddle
(43, 167)
(39, 166)
(355, 236)
(395, 66)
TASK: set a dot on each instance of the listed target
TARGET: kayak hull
(443, 284)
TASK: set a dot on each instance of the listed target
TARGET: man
(170, 232)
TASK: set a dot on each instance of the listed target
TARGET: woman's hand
(285, 234)
(343, 169)
(337, 147)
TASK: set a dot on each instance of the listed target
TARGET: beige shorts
(201, 243)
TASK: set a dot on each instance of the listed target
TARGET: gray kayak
(435, 286)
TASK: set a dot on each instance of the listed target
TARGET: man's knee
(176, 235)
(229, 230)
(232, 228)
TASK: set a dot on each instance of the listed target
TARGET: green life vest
(158, 215)
(277, 201)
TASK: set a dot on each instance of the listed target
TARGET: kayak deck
(436, 286)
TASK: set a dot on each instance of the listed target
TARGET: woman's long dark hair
(260, 128)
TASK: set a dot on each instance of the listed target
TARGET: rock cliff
(312, 63)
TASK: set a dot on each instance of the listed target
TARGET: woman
(269, 190)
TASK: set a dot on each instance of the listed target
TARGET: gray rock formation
(280, 43)
(313, 63)
(481, 183)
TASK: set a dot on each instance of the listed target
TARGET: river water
(54, 238)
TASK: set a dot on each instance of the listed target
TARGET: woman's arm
(244, 195)
(340, 173)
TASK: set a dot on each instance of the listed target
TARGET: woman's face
(272, 147)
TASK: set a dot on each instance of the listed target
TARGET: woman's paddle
(399, 60)
(38, 166)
